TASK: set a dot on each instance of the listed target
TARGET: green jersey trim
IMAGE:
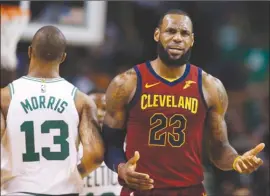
(43, 80)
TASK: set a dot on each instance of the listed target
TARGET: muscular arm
(118, 95)
(89, 131)
(222, 154)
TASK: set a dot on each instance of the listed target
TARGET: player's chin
(175, 56)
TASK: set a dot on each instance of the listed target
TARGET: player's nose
(177, 37)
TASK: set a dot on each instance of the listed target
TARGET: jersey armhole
(11, 89)
(201, 88)
(138, 89)
(74, 92)
(73, 95)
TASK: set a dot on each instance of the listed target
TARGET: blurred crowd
(231, 43)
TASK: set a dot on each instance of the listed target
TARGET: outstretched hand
(249, 162)
(133, 179)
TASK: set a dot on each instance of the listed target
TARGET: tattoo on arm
(89, 126)
(117, 98)
(221, 152)
(90, 135)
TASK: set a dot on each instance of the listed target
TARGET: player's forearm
(223, 156)
(89, 163)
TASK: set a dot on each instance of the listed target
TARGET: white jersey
(42, 134)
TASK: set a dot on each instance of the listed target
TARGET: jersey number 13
(46, 127)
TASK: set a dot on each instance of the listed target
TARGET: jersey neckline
(43, 80)
(180, 79)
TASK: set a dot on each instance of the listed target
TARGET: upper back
(42, 133)
(34, 98)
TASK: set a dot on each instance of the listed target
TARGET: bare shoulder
(82, 101)
(5, 100)
(121, 89)
(214, 92)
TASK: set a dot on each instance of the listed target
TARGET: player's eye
(185, 33)
(171, 31)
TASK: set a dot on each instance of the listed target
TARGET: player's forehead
(176, 21)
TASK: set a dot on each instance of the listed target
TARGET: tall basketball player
(161, 106)
(45, 117)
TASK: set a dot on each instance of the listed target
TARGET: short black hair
(173, 11)
(49, 44)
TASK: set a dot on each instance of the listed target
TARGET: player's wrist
(81, 170)
(235, 162)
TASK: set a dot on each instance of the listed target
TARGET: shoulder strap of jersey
(200, 84)
(74, 92)
(11, 89)
(138, 86)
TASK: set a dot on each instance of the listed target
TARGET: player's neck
(39, 70)
(166, 71)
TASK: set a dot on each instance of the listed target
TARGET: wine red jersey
(165, 124)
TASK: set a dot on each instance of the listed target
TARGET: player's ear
(156, 34)
(192, 37)
(63, 57)
(29, 51)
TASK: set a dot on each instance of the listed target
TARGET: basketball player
(161, 106)
(45, 117)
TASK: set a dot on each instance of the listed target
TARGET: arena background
(231, 43)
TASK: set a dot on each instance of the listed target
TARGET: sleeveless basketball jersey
(42, 132)
(165, 125)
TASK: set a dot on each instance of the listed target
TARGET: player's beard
(166, 59)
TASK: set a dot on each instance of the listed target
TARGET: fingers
(238, 168)
(257, 149)
(135, 158)
(144, 178)
(140, 176)
(259, 161)
(247, 165)
(139, 181)
(255, 161)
